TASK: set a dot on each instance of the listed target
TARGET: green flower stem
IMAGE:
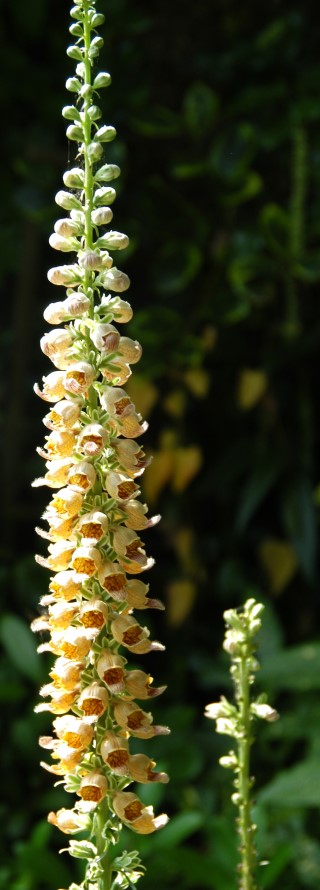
(235, 719)
(102, 846)
(245, 825)
(88, 176)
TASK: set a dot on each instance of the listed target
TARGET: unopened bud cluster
(93, 464)
(236, 720)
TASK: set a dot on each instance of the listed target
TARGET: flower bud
(74, 179)
(116, 280)
(102, 216)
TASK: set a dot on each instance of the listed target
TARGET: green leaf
(20, 646)
(298, 786)
(177, 266)
(178, 829)
(300, 520)
(297, 668)
(264, 475)
(200, 108)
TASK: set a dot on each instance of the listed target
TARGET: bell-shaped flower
(86, 561)
(67, 502)
(61, 700)
(53, 387)
(59, 558)
(135, 814)
(60, 443)
(105, 337)
(92, 526)
(120, 487)
(136, 596)
(68, 821)
(78, 378)
(130, 551)
(77, 733)
(115, 753)
(66, 673)
(57, 474)
(130, 456)
(111, 669)
(64, 415)
(82, 476)
(92, 439)
(136, 721)
(135, 516)
(93, 701)
(56, 342)
(120, 309)
(73, 643)
(93, 788)
(113, 579)
(141, 770)
(94, 613)
(130, 634)
(139, 685)
(131, 350)
(65, 585)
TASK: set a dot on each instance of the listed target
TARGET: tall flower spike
(236, 720)
(92, 464)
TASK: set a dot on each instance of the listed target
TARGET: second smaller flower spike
(94, 516)
(236, 720)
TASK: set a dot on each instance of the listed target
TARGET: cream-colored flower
(111, 669)
(93, 787)
(92, 526)
(136, 596)
(113, 579)
(56, 342)
(130, 456)
(67, 502)
(136, 721)
(92, 439)
(94, 613)
(120, 487)
(78, 378)
(130, 551)
(57, 474)
(73, 643)
(82, 476)
(65, 585)
(115, 753)
(115, 371)
(59, 444)
(135, 814)
(66, 673)
(61, 700)
(131, 350)
(68, 821)
(77, 733)
(120, 309)
(105, 337)
(93, 701)
(53, 387)
(86, 561)
(135, 516)
(139, 685)
(130, 634)
(141, 770)
(64, 415)
(59, 558)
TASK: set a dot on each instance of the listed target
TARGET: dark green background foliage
(217, 107)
